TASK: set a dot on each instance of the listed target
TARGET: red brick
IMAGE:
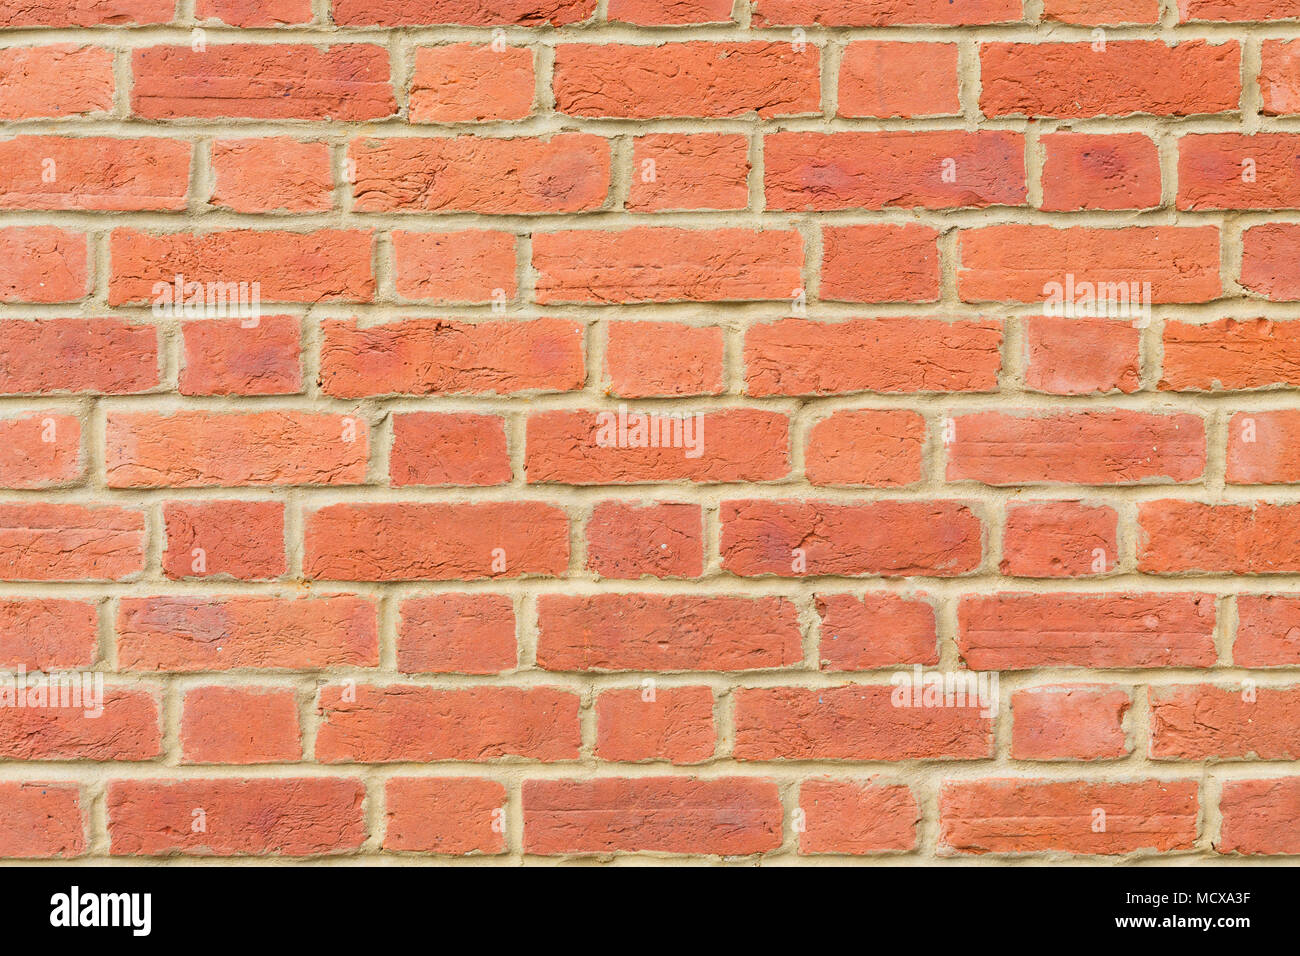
(305, 816)
(1015, 263)
(663, 359)
(860, 170)
(456, 634)
(414, 724)
(1059, 539)
(235, 357)
(477, 266)
(109, 356)
(905, 264)
(330, 264)
(202, 449)
(42, 450)
(255, 13)
(647, 264)
(1069, 722)
(1231, 171)
(689, 171)
(881, 448)
(662, 632)
(1128, 76)
(456, 816)
(658, 13)
(470, 82)
(1175, 537)
(1034, 816)
(433, 448)
(93, 173)
(1112, 171)
(857, 817)
(408, 541)
(240, 540)
(1279, 86)
(675, 724)
(696, 78)
(886, 538)
(877, 629)
(274, 173)
(1261, 448)
(801, 357)
(240, 725)
(1236, 10)
(43, 264)
(1269, 254)
(585, 448)
(1201, 721)
(122, 726)
(1019, 631)
(853, 722)
(1267, 627)
(58, 80)
(1230, 354)
(1105, 12)
(47, 634)
(883, 78)
(349, 81)
(431, 356)
(1079, 356)
(528, 13)
(1258, 816)
(225, 633)
(567, 173)
(875, 13)
(1096, 448)
(67, 542)
(663, 540)
(41, 820)
(84, 13)
(733, 816)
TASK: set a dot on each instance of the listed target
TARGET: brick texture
(562, 431)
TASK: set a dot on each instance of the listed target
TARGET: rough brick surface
(539, 432)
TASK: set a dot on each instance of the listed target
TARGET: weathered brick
(1020, 631)
(613, 632)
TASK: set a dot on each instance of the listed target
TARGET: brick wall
(634, 408)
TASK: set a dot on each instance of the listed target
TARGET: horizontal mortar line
(1223, 584)
(591, 32)
(946, 769)
(561, 494)
(399, 220)
(528, 404)
(698, 314)
(722, 683)
(549, 123)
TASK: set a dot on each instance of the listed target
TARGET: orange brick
(275, 173)
(238, 725)
(883, 78)
(456, 816)
(669, 723)
(468, 82)
(689, 171)
(880, 448)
